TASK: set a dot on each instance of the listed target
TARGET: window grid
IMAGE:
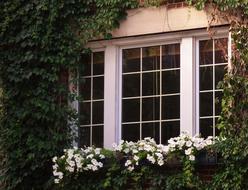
(160, 95)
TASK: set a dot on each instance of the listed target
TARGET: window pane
(216, 130)
(85, 88)
(171, 56)
(206, 52)
(151, 130)
(84, 136)
(84, 113)
(206, 127)
(131, 132)
(131, 60)
(218, 97)
(98, 63)
(206, 103)
(85, 70)
(131, 85)
(220, 50)
(171, 107)
(171, 82)
(98, 87)
(206, 78)
(150, 109)
(169, 129)
(97, 136)
(97, 108)
(150, 83)
(151, 58)
(219, 74)
(131, 110)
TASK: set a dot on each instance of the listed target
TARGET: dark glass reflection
(219, 74)
(84, 109)
(206, 78)
(169, 129)
(150, 83)
(171, 56)
(206, 103)
(218, 98)
(131, 85)
(84, 136)
(85, 70)
(151, 58)
(170, 107)
(206, 127)
(171, 82)
(85, 88)
(151, 130)
(97, 109)
(97, 136)
(98, 63)
(206, 52)
(131, 132)
(131, 60)
(150, 109)
(130, 110)
(221, 50)
(98, 87)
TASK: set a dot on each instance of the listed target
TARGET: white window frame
(189, 76)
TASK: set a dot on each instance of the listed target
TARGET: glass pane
(221, 50)
(206, 52)
(98, 63)
(206, 127)
(206, 103)
(85, 70)
(84, 108)
(150, 109)
(218, 97)
(131, 60)
(171, 82)
(97, 136)
(151, 58)
(131, 110)
(131, 132)
(97, 112)
(98, 87)
(84, 136)
(169, 129)
(85, 89)
(216, 130)
(171, 56)
(206, 78)
(151, 130)
(150, 84)
(171, 107)
(131, 85)
(219, 74)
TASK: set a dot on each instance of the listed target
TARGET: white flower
(55, 159)
(56, 180)
(130, 168)
(160, 162)
(188, 151)
(136, 158)
(188, 143)
(101, 156)
(151, 158)
(191, 157)
(90, 156)
(97, 151)
(128, 162)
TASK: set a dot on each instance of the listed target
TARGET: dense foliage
(40, 40)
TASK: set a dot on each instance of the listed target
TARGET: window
(91, 108)
(212, 63)
(151, 92)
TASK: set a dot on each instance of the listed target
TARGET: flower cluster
(77, 160)
(189, 145)
(146, 149)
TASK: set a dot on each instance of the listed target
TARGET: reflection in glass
(170, 82)
(150, 83)
(206, 52)
(131, 85)
(221, 50)
(84, 136)
(150, 109)
(171, 56)
(206, 78)
(84, 109)
(219, 74)
(97, 109)
(98, 63)
(98, 88)
(131, 132)
(151, 130)
(169, 129)
(171, 107)
(130, 110)
(85, 88)
(85, 70)
(151, 58)
(206, 104)
(206, 127)
(218, 98)
(131, 60)
(97, 136)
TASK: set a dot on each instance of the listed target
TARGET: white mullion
(160, 97)
(141, 94)
(213, 87)
(91, 98)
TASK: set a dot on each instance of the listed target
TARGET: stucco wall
(155, 20)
